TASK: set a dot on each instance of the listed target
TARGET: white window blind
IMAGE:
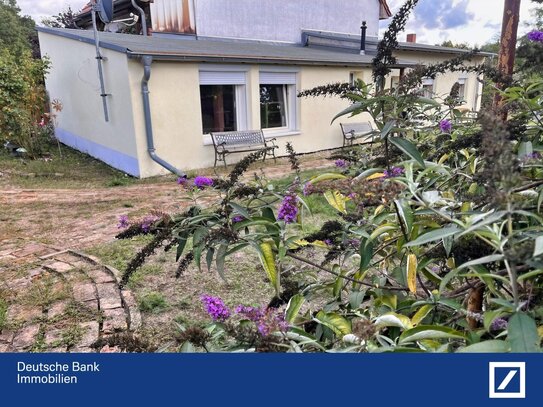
(222, 78)
(278, 78)
(427, 81)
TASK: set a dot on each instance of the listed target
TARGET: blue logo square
(507, 380)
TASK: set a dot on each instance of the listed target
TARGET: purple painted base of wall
(116, 159)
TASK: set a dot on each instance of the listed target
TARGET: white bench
(354, 131)
(245, 141)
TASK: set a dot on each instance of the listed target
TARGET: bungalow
(217, 66)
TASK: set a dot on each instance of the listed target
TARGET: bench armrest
(272, 142)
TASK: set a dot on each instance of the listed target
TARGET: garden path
(59, 299)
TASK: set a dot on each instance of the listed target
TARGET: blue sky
(473, 21)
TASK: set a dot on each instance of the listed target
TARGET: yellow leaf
(444, 158)
(412, 265)
(421, 314)
(337, 200)
(540, 331)
(267, 258)
(451, 263)
(376, 176)
(319, 243)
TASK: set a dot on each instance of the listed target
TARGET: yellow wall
(443, 83)
(177, 124)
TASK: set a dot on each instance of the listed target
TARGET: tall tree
(64, 19)
(17, 33)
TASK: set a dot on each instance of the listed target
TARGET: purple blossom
(288, 211)
(341, 164)
(328, 242)
(238, 219)
(532, 156)
(536, 36)
(254, 314)
(215, 308)
(181, 181)
(445, 126)
(148, 222)
(499, 324)
(308, 189)
(394, 172)
(202, 182)
(123, 222)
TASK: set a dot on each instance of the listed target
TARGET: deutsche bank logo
(507, 380)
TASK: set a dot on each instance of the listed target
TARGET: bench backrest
(238, 138)
(356, 128)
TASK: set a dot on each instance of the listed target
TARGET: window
(278, 100)
(428, 88)
(351, 79)
(462, 88)
(223, 101)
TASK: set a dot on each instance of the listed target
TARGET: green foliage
(152, 302)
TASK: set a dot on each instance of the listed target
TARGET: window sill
(267, 134)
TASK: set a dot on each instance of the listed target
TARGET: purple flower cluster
(202, 182)
(148, 222)
(267, 322)
(532, 156)
(499, 324)
(238, 219)
(288, 211)
(341, 164)
(536, 36)
(394, 172)
(123, 222)
(308, 189)
(215, 308)
(182, 181)
(445, 126)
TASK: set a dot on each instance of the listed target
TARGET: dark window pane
(218, 108)
(273, 107)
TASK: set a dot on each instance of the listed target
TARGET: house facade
(219, 65)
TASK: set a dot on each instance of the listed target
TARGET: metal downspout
(142, 16)
(147, 61)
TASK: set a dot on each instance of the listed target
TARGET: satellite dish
(105, 10)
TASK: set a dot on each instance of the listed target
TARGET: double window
(428, 88)
(224, 105)
(223, 101)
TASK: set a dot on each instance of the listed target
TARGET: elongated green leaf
(327, 177)
(530, 275)
(421, 314)
(538, 249)
(387, 128)
(525, 148)
(182, 242)
(434, 235)
(429, 332)
(522, 334)
(355, 107)
(221, 257)
(493, 346)
(406, 215)
(240, 210)
(408, 148)
(366, 253)
(209, 257)
(483, 260)
(335, 322)
(338, 285)
(293, 307)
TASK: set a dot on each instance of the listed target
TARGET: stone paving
(65, 305)
(61, 300)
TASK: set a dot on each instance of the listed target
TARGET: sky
(475, 22)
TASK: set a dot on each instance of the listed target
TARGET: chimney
(412, 38)
(364, 28)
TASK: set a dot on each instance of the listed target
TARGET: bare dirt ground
(38, 226)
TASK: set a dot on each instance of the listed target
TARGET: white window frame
(228, 75)
(463, 81)
(289, 78)
(428, 82)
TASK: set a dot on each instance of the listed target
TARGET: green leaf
(406, 214)
(522, 334)
(408, 148)
(538, 250)
(221, 256)
(356, 298)
(387, 128)
(493, 346)
(240, 210)
(434, 235)
(366, 254)
(335, 322)
(182, 242)
(338, 285)
(483, 260)
(354, 108)
(209, 257)
(293, 307)
(327, 177)
(421, 314)
(429, 332)
(525, 148)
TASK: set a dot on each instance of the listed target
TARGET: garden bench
(245, 141)
(354, 131)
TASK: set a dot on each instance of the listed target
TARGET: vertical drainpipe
(147, 61)
(363, 29)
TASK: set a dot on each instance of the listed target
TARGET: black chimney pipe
(364, 28)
